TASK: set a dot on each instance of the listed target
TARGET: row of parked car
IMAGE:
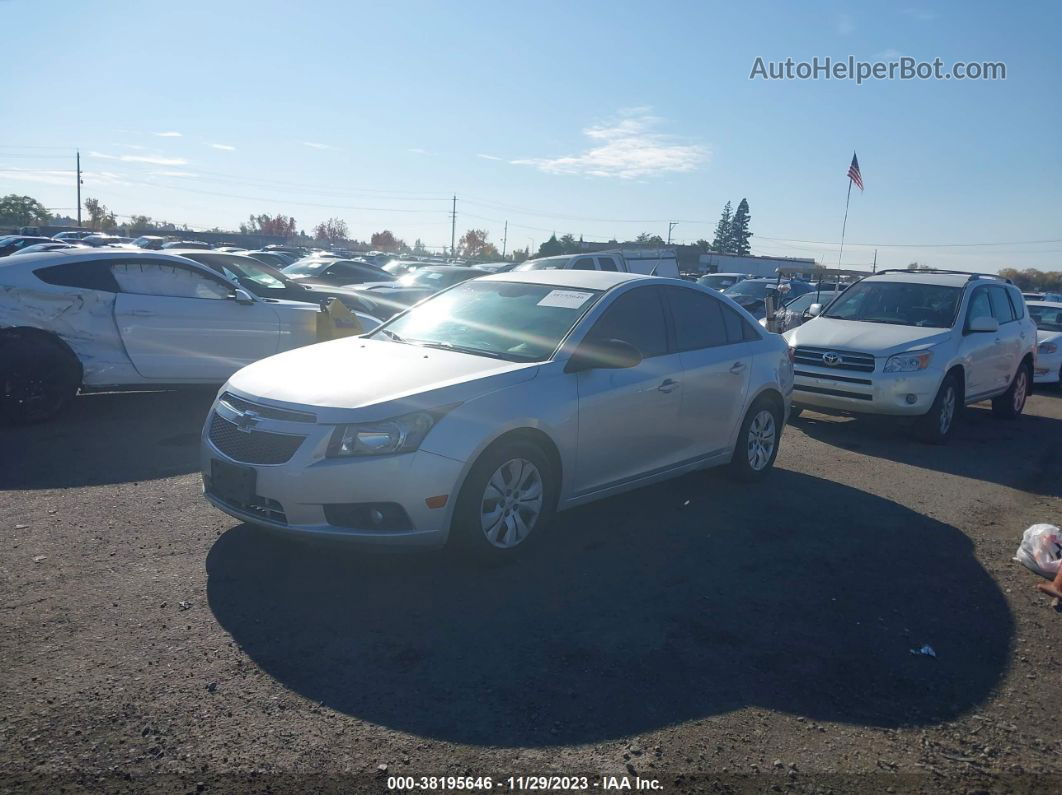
(473, 405)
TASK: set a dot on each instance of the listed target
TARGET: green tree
(386, 241)
(333, 230)
(140, 223)
(100, 218)
(18, 210)
(647, 239)
(740, 234)
(550, 248)
(724, 233)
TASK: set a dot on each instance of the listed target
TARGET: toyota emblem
(831, 359)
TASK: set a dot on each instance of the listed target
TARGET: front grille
(269, 412)
(832, 377)
(812, 357)
(254, 447)
(819, 390)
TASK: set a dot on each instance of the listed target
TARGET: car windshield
(717, 282)
(504, 320)
(423, 277)
(898, 303)
(548, 264)
(308, 267)
(1046, 318)
(753, 289)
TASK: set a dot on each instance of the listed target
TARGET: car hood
(1049, 336)
(879, 339)
(384, 378)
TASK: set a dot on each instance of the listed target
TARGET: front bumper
(897, 394)
(292, 496)
(1047, 369)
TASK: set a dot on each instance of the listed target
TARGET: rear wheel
(936, 425)
(1010, 404)
(506, 500)
(757, 444)
(38, 378)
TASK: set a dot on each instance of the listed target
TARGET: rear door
(628, 419)
(1010, 337)
(179, 323)
(716, 352)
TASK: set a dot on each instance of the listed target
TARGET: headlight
(399, 435)
(1046, 347)
(908, 362)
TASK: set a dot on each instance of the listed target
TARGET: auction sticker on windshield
(565, 299)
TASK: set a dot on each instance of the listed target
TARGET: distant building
(714, 262)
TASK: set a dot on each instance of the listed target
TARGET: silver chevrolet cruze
(477, 414)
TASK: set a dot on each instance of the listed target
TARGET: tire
(1010, 404)
(38, 378)
(937, 424)
(520, 520)
(757, 444)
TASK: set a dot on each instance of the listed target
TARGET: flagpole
(845, 224)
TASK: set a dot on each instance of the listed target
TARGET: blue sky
(600, 119)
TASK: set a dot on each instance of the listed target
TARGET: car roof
(922, 277)
(1051, 304)
(591, 280)
(741, 275)
(58, 256)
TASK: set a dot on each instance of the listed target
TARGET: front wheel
(757, 443)
(937, 424)
(37, 379)
(506, 500)
(1010, 404)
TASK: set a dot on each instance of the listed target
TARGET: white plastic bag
(1041, 550)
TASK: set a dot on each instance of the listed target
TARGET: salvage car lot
(694, 628)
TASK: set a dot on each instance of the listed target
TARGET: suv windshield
(504, 320)
(718, 282)
(1046, 318)
(898, 303)
(547, 264)
(753, 289)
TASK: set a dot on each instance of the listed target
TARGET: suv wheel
(1010, 404)
(37, 379)
(506, 499)
(936, 425)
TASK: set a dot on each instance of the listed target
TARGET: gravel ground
(701, 634)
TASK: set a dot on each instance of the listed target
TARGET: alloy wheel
(1020, 388)
(947, 410)
(512, 503)
(761, 440)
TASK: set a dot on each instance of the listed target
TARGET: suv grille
(849, 360)
(254, 447)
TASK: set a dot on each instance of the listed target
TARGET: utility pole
(874, 269)
(453, 228)
(78, 187)
(670, 225)
(505, 239)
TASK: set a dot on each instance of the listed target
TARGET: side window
(699, 321)
(980, 306)
(1017, 302)
(1001, 308)
(83, 275)
(636, 317)
(737, 328)
(164, 279)
(584, 264)
(607, 264)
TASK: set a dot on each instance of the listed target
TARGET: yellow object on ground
(335, 321)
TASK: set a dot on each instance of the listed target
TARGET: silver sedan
(477, 414)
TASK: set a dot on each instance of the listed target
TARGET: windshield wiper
(449, 346)
(392, 335)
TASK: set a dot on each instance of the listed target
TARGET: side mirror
(604, 355)
(982, 325)
(241, 296)
(814, 310)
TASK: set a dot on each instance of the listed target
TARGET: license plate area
(232, 483)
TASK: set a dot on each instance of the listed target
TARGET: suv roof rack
(972, 274)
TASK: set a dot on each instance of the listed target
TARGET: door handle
(668, 385)
(737, 368)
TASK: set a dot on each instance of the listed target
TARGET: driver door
(181, 324)
(629, 418)
(982, 350)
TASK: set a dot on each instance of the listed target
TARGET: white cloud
(627, 147)
(488, 157)
(222, 147)
(168, 134)
(61, 177)
(154, 160)
(845, 24)
(316, 145)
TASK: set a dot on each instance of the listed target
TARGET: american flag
(853, 172)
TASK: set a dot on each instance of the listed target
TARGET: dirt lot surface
(702, 634)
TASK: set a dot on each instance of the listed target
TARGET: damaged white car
(107, 318)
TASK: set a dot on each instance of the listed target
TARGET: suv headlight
(387, 437)
(908, 362)
(1046, 347)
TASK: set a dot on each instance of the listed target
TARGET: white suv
(921, 344)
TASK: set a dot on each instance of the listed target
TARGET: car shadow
(672, 603)
(1022, 454)
(113, 437)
